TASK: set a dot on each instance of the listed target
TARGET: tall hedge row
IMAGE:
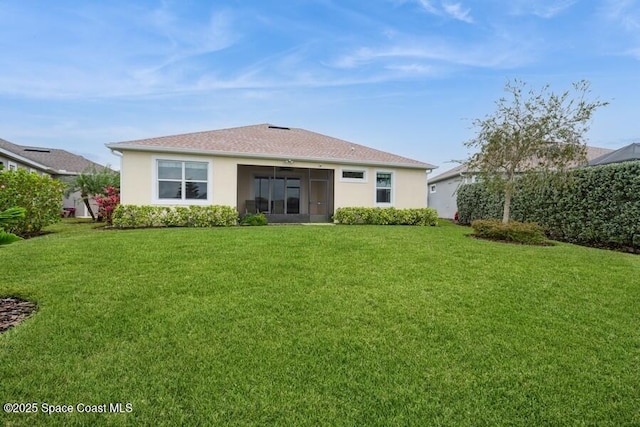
(594, 206)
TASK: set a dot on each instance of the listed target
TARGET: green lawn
(309, 325)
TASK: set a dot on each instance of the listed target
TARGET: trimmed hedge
(40, 196)
(528, 233)
(386, 216)
(597, 206)
(132, 216)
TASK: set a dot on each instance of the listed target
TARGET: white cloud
(500, 54)
(452, 10)
(546, 9)
(621, 26)
(428, 6)
(625, 13)
(456, 11)
(413, 69)
(105, 51)
(634, 52)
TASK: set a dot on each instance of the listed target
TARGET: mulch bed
(13, 311)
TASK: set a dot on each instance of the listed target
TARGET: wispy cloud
(546, 9)
(502, 54)
(456, 11)
(625, 13)
(97, 56)
(443, 8)
(621, 26)
(428, 6)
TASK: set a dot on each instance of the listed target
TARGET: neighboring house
(628, 153)
(292, 175)
(443, 188)
(48, 161)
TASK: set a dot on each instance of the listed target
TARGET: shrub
(386, 216)
(40, 196)
(514, 231)
(132, 216)
(254, 219)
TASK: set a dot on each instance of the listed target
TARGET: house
(54, 162)
(290, 174)
(628, 153)
(443, 187)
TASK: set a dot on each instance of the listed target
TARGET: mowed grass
(310, 325)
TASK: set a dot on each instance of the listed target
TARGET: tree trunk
(85, 199)
(506, 213)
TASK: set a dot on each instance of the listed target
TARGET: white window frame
(362, 180)
(393, 189)
(432, 188)
(156, 200)
(12, 166)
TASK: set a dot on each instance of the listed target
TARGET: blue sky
(405, 76)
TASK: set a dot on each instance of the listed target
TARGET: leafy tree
(92, 182)
(531, 133)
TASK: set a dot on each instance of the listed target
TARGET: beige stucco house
(291, 175)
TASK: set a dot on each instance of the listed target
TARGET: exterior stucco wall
(444, 199)
(136, 178)
(409, 186)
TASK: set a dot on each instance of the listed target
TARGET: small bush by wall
(254, 219)
(40, 196)
(597, 206)
(132, 216)
(386, 216)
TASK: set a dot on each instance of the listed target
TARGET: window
(277, 195)
(182, 180)
(383, 188)
(432, 188)
(353, 175)
(12, 166)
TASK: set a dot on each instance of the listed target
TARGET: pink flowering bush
(107, 203)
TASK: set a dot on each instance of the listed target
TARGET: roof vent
(38, 150)
(278, 127)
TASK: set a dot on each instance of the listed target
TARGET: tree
(92, 182)
(532, 133)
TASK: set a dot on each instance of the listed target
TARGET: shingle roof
(59, 161)
(268, 141)
(627, 153)
(592, 153)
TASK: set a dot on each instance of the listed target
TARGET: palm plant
(92, 182)
(9, 217)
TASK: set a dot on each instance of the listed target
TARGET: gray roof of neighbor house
(53, 160)
(592, 153)
(628, 153)
(268, 141)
